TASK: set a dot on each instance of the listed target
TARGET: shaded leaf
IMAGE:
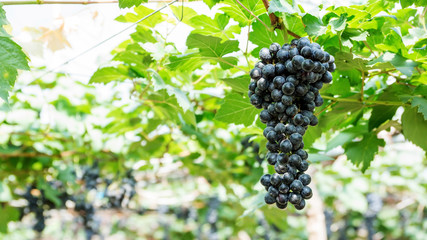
(238, 84)
(364, 151)
(237, 110)
(414, 127)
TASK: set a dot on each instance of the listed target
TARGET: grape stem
(367, 102)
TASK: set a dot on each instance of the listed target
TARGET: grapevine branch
(275, 21)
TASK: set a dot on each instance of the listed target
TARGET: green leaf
(143, 35)
(212, 49)
(7, 214)
(313, 25)
(217, 27)
(345, 136)
(261, 36)
(167, 107)
(3, 20)
(237, 110)
(338, 24)
(240, 14)
(50, 193)
(311, 135)
(421, 103)
(130, 3)
(404, 65)
(294, 24)
(212, 46)
(364, 151)
(414, 127)
(282, 6)
(180, 96)
(318, 158)
(11, 58)
(108, 74)
(382, 113)
(211, 3)
(12, 55)
(141, 12)
(347, 61)
(340, 86)
(238, 84)
(185, 62)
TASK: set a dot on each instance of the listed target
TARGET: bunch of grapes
(286, 84)
(87, 212)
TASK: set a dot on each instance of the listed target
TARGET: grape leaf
(363, 152)
(166, 106)
(143, 35)
(382, 113)
(238, 84)
(346, 136)
(211, 3)
(311, 135)
(414, 127)
(11, 58)
(217, 27)
(141, 12)
(130, 3)
(421, 103)
(240, 14)
(237, 109)
(404, 65)
(185, 62)
(282, 6)
(340, 86)
(294, 24)
(108, 74)
(180, 96)
(211, 46)
(261, 36)
(7, 214)
(313, 25)
(212, 49)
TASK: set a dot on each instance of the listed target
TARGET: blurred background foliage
(177, 120)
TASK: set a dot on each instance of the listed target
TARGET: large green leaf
(217, 27)
(237, 109)
(404, 65)
(167, 107)
(262, 36)
(213, 50)
(282, 6)
(7, 214)
(364, 151)
(11, 58)
(240, 14)
(313, 25)
(211, 46)
(238, 84)
(108, 74)
(414, 127)
(382, 113)
(421, 104)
